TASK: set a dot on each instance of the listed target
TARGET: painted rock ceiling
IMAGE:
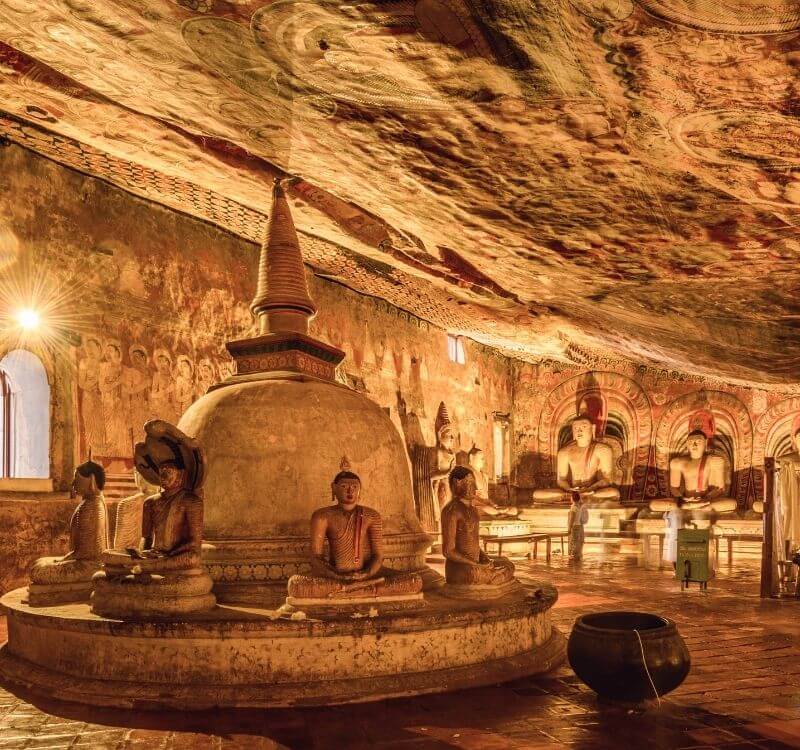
(621, 176)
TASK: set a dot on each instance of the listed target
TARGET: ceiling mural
(618, 175)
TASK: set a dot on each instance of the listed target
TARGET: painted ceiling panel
(617, 175)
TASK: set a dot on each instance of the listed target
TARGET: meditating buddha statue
(128, 527)
(430, 467)
(697, 480)
(469, 571)
(55, 580)
(350, 572)
(477, 462)
(697, 485)
(584, 466)
(165, 575)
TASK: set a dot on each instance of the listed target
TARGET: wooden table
(533, 539)
(731, 538)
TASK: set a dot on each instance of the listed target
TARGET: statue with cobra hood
(165, 576)
(347, 557)
(430, 467)
(55, 580)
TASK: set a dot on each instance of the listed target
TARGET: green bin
(695, 561)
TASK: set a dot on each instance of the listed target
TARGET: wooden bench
(646, 537)
(532, 539)
(731, 538)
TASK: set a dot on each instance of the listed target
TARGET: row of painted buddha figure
(154, 567)
(585, 467)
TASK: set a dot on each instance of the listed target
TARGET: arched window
(5, 426)
(25, 417)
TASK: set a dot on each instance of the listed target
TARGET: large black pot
(606, 654)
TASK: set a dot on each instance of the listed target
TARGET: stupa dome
(273, 447)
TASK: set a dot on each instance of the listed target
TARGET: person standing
(576, 520)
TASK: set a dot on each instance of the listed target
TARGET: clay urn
(609, 651)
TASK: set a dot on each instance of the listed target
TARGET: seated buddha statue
(697, 486)
(696, 481)
(584, 466)
(128, 528)
(55, 580)
(469, 571)
(477, 462)
(347, 557)
(164, 575)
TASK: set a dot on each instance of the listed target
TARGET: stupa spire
(282, 303)
(283, 308)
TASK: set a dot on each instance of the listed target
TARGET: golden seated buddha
(584, 466)
(469, 571)
(55, 580)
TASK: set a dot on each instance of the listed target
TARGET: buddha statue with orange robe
(347, 556)
(697, 480)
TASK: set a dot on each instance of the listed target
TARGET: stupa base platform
(245, 657)
(50, 594)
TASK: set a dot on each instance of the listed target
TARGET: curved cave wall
(158, 293)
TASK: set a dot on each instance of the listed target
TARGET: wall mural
(122, 385)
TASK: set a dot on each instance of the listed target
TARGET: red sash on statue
(701, 471)
(587, 459)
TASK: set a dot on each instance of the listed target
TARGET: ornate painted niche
(622, 415)
(773, 437)
(717, 413)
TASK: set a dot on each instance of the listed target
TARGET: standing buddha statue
(430, 466)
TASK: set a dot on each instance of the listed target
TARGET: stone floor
(743, 691)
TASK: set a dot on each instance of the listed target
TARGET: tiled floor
(743, 691)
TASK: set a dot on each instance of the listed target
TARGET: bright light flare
(39, 306)
(28, 319)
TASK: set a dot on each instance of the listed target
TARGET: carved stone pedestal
(251, 657)
(387, 594)
(146, 595)
(480, 591)
(49, 594)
